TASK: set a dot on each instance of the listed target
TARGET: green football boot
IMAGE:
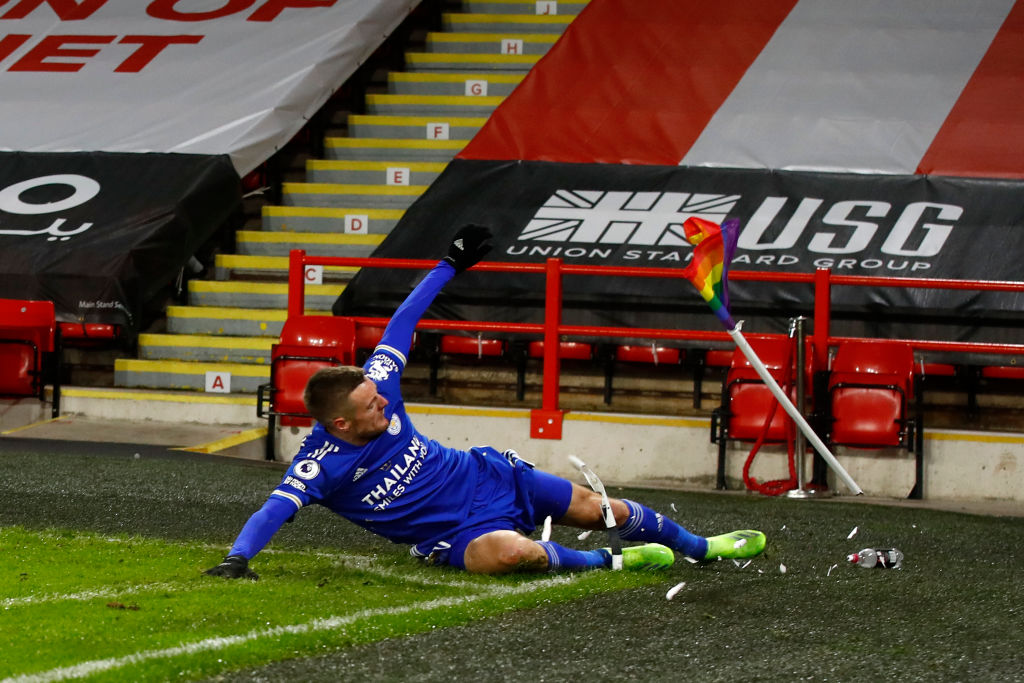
(647, 557)
(736, 545)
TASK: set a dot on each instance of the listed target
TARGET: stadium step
(249, 294)
(228, 321)
(228, 266)
(259, 243)
(415, 127)
(373, 172)
(474, 22)
(466, 84)
(322, 219)
(443, 61)
(432, 105)
(205, 348)
(391, 149)
(506, 44)
(560, 7)
(245, 378)
(340, 196)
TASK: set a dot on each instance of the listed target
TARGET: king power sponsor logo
(781, 231)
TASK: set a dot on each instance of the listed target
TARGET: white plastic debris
(673, 507)
(783, 528)
(545, 535)
(674, 589)
(829, 572)
(852, 533)
(584, 534)
(736, 562)
(746, 564)
(782, 569)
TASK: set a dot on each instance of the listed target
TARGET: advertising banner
(793, 222)
(235, 77)
(101, 234)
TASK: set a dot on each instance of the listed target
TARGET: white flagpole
(791, 410)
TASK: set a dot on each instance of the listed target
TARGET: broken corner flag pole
(713, 248)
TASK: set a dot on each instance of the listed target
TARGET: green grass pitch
(101, 552)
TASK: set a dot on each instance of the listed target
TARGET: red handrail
(546, 422)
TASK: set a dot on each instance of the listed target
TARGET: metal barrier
(546, 421)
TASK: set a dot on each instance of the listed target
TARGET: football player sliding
(472, 509)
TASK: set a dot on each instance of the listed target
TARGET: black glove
(233, 567)
(471, 243)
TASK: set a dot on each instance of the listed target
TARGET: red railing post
(822, 316)
(546, 423)
(296, 282)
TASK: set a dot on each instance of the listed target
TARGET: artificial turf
(950, 614)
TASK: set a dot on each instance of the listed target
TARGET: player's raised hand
(471, 243)
(233, 567)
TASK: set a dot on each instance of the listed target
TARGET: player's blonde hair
(327, 392)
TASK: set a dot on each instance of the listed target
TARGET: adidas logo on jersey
(360, 471)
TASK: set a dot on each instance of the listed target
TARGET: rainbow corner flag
(708, 270)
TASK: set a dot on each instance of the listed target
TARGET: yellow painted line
(227, 312)
(163, 396)
(227, 442)
(242, 262)
(474, 18)
(249, 287)
(383, 120)
(470, 58)
(394, 143)
(457, 37)
(336, 165)
(438, 100)
(207, 341)
(974, 437)
(701, 423)
(14, 430)
(430, 409)
(178, 367)
(258, 236)
(337, 188)
(417, 77)
(325, 212)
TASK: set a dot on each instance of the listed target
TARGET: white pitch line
(87, 595)
(326, 624)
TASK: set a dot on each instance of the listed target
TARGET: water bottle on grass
(877, 558)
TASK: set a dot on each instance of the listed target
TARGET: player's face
(366, 419)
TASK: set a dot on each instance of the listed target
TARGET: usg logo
(637, 218)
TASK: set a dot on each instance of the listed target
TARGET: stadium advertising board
(101, 234)
(856, 224)
(236, 77)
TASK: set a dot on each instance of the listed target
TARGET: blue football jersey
(401, 485)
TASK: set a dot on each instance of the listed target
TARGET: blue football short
(517, 498)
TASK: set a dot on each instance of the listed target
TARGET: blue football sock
(644, 524)
(561, 558)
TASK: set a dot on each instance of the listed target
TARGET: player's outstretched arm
(256, 533)
(470, 244)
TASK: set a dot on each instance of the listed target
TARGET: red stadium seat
(747, 402)
(472, 346)
(28, 338)
(308, 343)
(88, 335)
(477, 347)
(650, 354)
(871, 387)
(567, 350)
